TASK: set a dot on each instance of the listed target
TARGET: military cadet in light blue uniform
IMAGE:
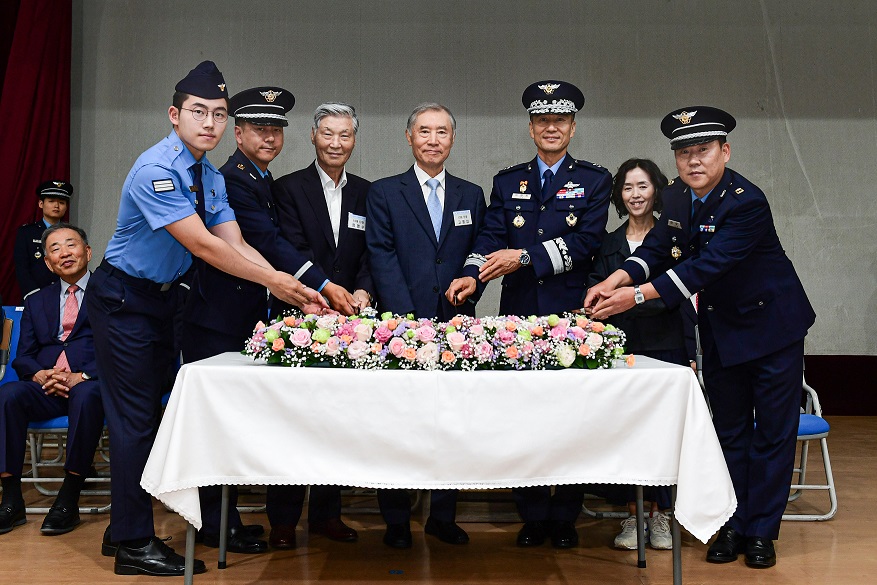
(544, 225)
(173, 205)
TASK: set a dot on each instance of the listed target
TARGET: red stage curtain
(34, 118)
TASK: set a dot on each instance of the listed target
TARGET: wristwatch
(638, 296)
(85, 376)
(525, 258)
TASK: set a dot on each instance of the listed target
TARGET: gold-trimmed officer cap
(696, 125)
(552, 97)
(204, 81)
(61, 189)
(263, 106)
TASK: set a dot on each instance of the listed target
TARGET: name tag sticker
(462, 218)
(355, 222)
(521, 195)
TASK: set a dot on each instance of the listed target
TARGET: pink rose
(277, 325)
(563, 323)
(333, 345)
(396, 347)
(527, 347)
(326, 322)
(477, 329)
(383, 334)
(466, 351)
(558, 332)
(577, 332)
(595, 340)
(362, 332)
(260, 325)
(506, 336)
(428, 354)
(357, 349)
(425, 333)
(484, 351)
(300, 337)
(278, 344)
(456, 340)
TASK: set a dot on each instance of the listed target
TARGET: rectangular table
(645, 425)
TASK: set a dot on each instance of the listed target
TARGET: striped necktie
(68, 319)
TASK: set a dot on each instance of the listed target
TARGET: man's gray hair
(335, 109)
(430, 107)
(62, 226)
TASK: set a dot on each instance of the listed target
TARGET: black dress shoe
(254, 530)
(564, 535)
(240, 540)
(156, 559)
(446, 531)
(398, 535)
(107, 546)
(282, 537)
(726, 547)
(333, 529)
(11, 515)
(60, 520)
(531, 534)
(760, 553)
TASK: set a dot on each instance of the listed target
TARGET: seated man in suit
(421, 226)
(55, 366)
(322, 214)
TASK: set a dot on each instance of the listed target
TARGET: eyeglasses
(219, 116)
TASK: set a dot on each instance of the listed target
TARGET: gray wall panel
(798, 75)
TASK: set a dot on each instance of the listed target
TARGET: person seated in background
(56, 369)
(652, 329)
(30, 269)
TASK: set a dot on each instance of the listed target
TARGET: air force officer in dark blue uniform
(716, 236)
(420, 226)
(544, 224)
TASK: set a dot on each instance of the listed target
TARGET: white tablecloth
(234, 421)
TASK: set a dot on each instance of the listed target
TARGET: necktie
(68, 319)
(434, 206)
(695, 210)
(546, 182)
(199, 191)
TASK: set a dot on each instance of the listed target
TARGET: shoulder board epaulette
(512, 168)
(589, 165)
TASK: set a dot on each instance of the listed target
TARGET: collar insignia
(242, 167)
(739, 190)
(685, 117)
(270, 95)
(548, 88)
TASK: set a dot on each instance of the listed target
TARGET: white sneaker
(659, 532)
(626, 539)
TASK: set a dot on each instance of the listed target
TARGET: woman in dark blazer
(652, 330)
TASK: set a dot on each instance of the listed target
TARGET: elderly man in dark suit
(56, 369)
(421, 226)
(322, 213)
(716, 238)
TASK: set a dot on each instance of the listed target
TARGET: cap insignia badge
(518, 222)
(523, 186)
(548, 88)
(221, 87)
(571, 219)
(57, 183)
(270, 95)
(676, 252)
(685, 117)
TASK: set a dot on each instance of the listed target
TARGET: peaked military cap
(696, 125)
(264, 106)
(204, 81)
(61, 189)
(552, 97)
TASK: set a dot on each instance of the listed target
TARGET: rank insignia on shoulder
(739, 190)
(676, 252)
(242, 167)
(163, 185)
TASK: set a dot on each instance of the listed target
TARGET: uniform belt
(136, 282)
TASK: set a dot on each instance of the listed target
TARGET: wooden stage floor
(842, 551)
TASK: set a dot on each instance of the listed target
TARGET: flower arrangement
(389, 341)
